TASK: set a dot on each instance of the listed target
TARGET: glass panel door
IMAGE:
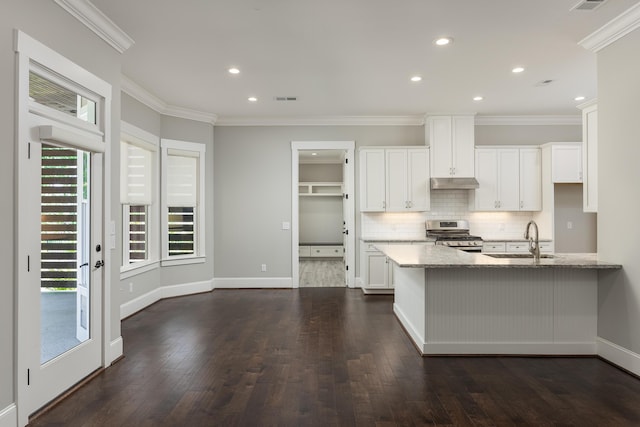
(65, 250)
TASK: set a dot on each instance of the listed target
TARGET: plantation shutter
(136, 177)
(182, 178)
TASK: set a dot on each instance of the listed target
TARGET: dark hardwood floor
(326, 356)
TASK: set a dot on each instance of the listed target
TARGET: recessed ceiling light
(579, 98)
(234, 70)
(517, 70)
(314, 154)
(416, 78)
(443, 41)
(252, 99)
(478, 98)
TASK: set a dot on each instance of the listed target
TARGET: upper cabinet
(566, 162)
(451, 140)
(509, 178)
(394, 179)
(590, 156)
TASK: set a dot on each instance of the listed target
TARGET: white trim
(348, 186)
(409, 327)
(613, 30)
(620, 356)
(67, 138)
(417, 120)
(138, 268)
(143, 301)
(137, 92)
(116, 350)
(93, 18)
(521, 348)
(134, 135)
(252, 282)
(587, 104)
(9, 416)
(565, 120)
(183, 260)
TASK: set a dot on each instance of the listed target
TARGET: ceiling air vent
(285, 98)
(546, 82)
(588, 4)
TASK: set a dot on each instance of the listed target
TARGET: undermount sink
(517, 255)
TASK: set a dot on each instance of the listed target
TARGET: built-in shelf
(320, 189)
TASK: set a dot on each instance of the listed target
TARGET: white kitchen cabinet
(452, 140)
(375, 270)
(566, 163)
(394, 180)
(321, 251)
(518, 246)
(509, 180)
(494, 246)
(590, 157)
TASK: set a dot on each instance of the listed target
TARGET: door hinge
(346, 161)
(347, 267)
(346, 196)
(28, 376)
(28, 150)
(28, 263)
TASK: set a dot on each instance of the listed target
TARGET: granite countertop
(513, 240)
(397, 240)
(427, 256)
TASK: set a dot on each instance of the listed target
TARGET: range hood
(454, 183)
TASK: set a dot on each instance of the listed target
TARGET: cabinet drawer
(304, 251)
(546, 247)
(494, 247)
(518, 247)
(327, 251)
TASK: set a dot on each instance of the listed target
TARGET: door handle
(99, 264)
(83, 265)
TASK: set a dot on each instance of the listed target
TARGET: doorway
(323, 214)
(63, 113)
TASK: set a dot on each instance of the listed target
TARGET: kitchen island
(454, 302)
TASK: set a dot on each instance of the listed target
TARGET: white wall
(619, 200)
(52, 26)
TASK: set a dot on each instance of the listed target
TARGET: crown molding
(587, 104)
(136, 91)
(613, 30)
(85, 12)
(322, 121)
(540, 120)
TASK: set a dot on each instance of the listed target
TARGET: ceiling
(356, 57)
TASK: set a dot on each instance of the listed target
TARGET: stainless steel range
(453, 233)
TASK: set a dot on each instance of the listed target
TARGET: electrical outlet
(130, 287)
(263, 267)
(569, 225)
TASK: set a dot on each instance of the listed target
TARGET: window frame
(131, 134)
(198, 150)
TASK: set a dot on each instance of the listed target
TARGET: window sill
(168, 262)
(138, 268)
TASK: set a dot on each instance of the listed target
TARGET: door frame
(27, 50)
(348, 183)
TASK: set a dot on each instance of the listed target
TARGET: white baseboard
(116, 350)
(9, 416)
(143, 301)
(515, 348)
(252, 282)
(409, 327)
(618, 355)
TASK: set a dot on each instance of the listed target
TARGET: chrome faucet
(534, 244)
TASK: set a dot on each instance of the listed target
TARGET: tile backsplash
(445, 204)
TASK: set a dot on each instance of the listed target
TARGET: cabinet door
(396, 180)
(590, 160)
(419, 189)
(508, 179)
(566, 163)
(530, 179)
(463, 142)
(440, 137)
(372, 180)
(486, 195)
(377, 271)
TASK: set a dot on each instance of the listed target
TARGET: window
(138, 196)
(183, 202)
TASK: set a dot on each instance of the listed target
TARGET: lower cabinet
(375, 271)
(321, 251)
(515, 246)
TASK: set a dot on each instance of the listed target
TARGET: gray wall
(527, 135)
(252, 191)
(139, 115)
(619, 203)
(51, 25)
(582, 236)
(323, 172)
